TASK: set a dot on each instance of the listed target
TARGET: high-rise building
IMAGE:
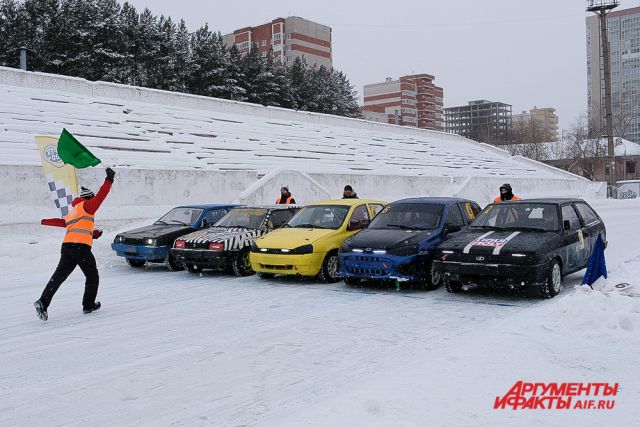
(544, 120)
(481, 120)
(412, 100)
(290, 38)
(623, 29)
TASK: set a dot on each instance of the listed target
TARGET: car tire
(266, 275)
(553, 282)
(241, 265)
(330, 271)
(433, 280)
(174, 264)
(191, 268)
(352, 281)
(452, 286)
(136, 263)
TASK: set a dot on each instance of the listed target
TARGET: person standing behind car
(348, 193)
(285, 197)
(76, 249)
(506, 194)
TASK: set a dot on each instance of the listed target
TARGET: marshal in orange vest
(79, 224)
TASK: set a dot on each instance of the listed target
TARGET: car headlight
(301, 250)
(151, 242)
(404, 250)
(119, 239)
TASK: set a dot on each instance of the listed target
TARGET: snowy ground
(181, 349)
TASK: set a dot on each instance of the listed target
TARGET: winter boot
(41, 311)
(96, 306)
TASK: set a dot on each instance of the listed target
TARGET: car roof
(434, 200)
(346, 202)
(550, 200)
(274, 206)
(209, 206)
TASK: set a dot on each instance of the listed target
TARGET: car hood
(497, 242)
(388, 238)
(156, 230)
(220, 234)
(291, 238)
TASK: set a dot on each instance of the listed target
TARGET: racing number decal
(469, 211)
(581, 238)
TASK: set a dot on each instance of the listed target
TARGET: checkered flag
(62, 196)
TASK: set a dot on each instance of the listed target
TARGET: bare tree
(529, 138)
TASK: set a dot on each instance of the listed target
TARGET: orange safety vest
(288, 202)
(498, 199)
(79, 224)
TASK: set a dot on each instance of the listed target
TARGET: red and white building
(409, 101)
(289, 38)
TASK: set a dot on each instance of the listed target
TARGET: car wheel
(352, 281)
(136, 263)
(266, 275)
(433, 281)
(191, 268)
(553, 283)
(241, 265)
(452, 286)
(174, 264)
(330, 271)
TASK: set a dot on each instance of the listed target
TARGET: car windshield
(243, 217)
(410, 216)
(180, 216)
(320, 216)
(518, 216)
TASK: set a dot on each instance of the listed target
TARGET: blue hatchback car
(153, 243)
(401, 240)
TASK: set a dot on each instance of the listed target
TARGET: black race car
(226, 245)
(518, 244)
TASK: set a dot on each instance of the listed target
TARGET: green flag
(73, 153)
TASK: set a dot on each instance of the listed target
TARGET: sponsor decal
(549, 396)
(469, 210)
(581, 240)
(496, 243)
(629, 194)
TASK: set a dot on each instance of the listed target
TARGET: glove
(110, 175)
(97, 233)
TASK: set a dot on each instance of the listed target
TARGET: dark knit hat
(348, 188)
(85, 193)
(506, 187)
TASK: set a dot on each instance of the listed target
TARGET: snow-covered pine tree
(107, 53)
(297, 74)
(233, 76)
(208, 74)
(165, 76)
(182, 59)
(149, 44)
(129, 23)
(251, 65)
(14, 31)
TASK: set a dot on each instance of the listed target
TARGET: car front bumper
(303, 265)
(381, 267)
(203, 258)
(139, 252)
(495, 275)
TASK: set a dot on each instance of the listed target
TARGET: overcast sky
(525, 53)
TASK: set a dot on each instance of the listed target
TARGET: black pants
(71, 255)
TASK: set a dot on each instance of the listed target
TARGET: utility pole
(601, 8)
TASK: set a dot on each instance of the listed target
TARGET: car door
(469, 210)
(573, 239)
(593, 226)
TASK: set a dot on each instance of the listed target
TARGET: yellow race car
(308, 244)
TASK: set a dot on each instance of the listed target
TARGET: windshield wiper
(490, 227)
(404, 227)
(308, 226)
(528, 228)
(161, 222)
(179, 222)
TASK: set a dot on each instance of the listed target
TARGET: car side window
(375, 208)
(454, 217)
(214, 216)
(568, 213)
(278, 218)
(360, 214)
(588, 215)
(470, 211)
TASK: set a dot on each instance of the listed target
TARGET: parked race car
(153, 242)
(522, 244)
(308, 244)
(400, 242)
(226, 244)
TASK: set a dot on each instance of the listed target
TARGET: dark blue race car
(400, 242)
(153, 242)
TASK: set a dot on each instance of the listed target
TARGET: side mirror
(452, 228)
(566, 225)
(205, 223)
